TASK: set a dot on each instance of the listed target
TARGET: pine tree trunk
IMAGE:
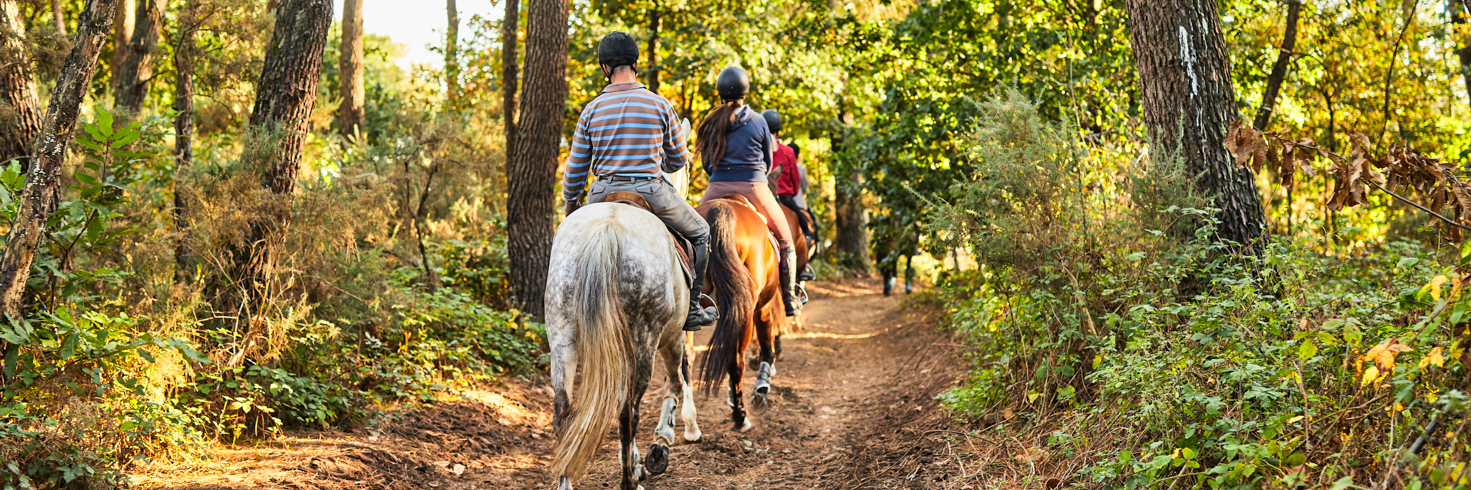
(653, 66)
(184, 53)
(508, 74)
(350, 70)
(1459, 10)
(122, 36)
(287, 91)
(285, 98)
(137, 68)
(1184, 71)
(850, 217)
(452, 53)
(532, 176)
(58, 16)
(40, 193)
(20, 123)
(1279, 69)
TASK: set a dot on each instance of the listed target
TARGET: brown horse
(743, 276)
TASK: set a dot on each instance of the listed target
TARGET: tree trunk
(350, 70)
(653, 67)
(532, 177)
(184, 52)
(122, 36)
(1279, 69)
(1184, 71)
(287, 91)
(452, 53)
(850, 216)
(285, 98)
(1459, 10)
(137, 68)
(508, 75)
(20, 123)
(40, 193)
(59, 16)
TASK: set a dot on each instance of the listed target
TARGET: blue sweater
(747, 150)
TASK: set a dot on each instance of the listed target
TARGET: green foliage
(1164, 362)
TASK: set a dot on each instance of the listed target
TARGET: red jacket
(789, 182)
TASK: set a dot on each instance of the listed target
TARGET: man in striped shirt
(628, 136)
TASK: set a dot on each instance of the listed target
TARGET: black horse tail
(735, 296)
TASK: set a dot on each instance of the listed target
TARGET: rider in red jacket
(789, 182)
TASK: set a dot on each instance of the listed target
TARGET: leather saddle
(683, 249)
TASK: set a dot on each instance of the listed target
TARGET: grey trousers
(663, 201)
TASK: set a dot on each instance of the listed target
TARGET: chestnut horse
(743, 278)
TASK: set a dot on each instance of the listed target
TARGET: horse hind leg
(564, 373)
(633, 470)
(767, 327)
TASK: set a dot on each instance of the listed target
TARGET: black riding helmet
(773, 120)
(732, 84)
(618, 49)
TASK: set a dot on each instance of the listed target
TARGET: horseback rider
(627, 136)
(792, 179)
(737, 152)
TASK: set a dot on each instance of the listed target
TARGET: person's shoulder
(656, 98)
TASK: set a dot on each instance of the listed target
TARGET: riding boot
(787, 269)
(700, 316)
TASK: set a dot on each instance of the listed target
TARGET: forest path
(848, 389)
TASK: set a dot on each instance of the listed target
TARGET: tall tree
(58, 16)
(531, 180)
(1279, 69)
(1459, 11)
(849, 214)
(184, 54)
(40, 193)
(133, 76)
(284, 100)
(508, 72)
(22, 121)
(122, 36)
(452, 52)
(350, 69)
(653, 66)
(1188, 102)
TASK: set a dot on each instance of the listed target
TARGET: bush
(1094, 313)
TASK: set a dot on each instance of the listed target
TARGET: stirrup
(802, 297)
(807, 274)
(701, 315)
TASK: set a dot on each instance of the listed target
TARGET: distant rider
(627, 136)
(736, 149)
(791, 179)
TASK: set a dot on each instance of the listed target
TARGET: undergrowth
(381, 293)
(1106, 318)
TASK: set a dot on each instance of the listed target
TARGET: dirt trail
(853, 407)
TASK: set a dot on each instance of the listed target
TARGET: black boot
(787, 271)
(699, 316)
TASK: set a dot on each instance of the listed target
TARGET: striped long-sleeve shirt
(626, 131)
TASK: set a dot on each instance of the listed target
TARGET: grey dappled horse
(616, 292)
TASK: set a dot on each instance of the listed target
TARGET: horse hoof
(657, 461)
(746, 425)
(639, 473)
(693, 436)
(760, 402)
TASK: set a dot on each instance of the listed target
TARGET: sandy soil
(853, 407)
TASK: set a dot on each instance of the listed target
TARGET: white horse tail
(604, 346)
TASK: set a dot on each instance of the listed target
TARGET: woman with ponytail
(736, 147)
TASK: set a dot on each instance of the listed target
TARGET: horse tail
(605, 352)
(734, 294)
